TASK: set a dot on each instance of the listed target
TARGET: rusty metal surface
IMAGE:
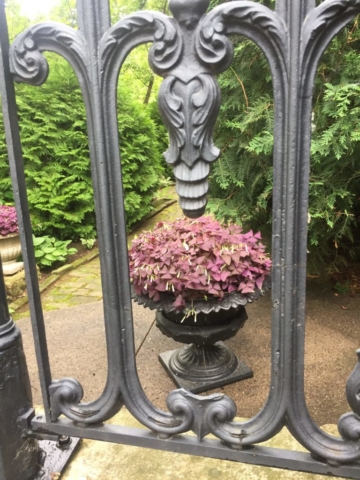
(54, 456)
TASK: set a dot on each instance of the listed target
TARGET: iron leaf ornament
(189, 101)
(203, 411)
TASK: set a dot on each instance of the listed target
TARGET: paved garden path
(76, 342)
(82, 285)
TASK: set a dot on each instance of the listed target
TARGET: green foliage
(241, 182)
(335, 172)
(140, 157)
(55, 143)
(48, 250)
(57, 167)
(55, 146)
(88, 242)
(342, 288)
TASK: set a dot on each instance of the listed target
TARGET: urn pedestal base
(205, 363)
(10, 268)
(202, 368)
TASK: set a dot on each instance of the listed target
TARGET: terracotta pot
(10, 248)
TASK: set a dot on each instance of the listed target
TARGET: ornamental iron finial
(189, 102)
(188, 12)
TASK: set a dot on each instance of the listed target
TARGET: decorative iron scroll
(349, 424)
(189, 97)
(189, 102)
(29, 65)
(188, 51)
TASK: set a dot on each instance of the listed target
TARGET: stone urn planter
(199, 275)
(10, 247)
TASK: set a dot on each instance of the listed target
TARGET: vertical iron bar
(295, 9)
(18, 453)
(296, 208)
(19, 187)
(4, 309)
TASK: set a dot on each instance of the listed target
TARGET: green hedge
(56, 157)
(241, 183)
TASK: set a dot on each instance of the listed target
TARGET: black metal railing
(188, 51)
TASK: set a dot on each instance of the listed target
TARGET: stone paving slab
(76, 343)
(104, 461)
(77, 287)
(82, 285)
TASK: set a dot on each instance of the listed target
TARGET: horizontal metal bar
(261, 456)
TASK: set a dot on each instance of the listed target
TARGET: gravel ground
(332, 337)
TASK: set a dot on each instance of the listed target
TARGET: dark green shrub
(241, 182)
(141, 159)
(56, 156)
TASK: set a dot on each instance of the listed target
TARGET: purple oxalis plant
(8, 220)
(197, 259)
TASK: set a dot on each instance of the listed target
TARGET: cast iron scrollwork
(349, 424)
(189, 112)
(166, 48)
(64, 395)
(29, 65)
(320, 26)
(183, 84)
(27, 61)
(189, 98)
(214, 47)
(189, 102)
(327, 15)
(187, 38)
(203, 412)
(188, 50)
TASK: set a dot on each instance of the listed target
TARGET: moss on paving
(80, 283)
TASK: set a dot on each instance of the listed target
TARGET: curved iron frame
(188, 51)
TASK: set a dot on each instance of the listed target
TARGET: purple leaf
(159, 257)
(179, 302)
(224, 276)
(247, 290)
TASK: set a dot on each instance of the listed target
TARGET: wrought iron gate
(188, 51)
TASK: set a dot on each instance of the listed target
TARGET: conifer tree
(56, 154)
(241, 183)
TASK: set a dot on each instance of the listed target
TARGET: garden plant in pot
(199, 275)
(10, 247)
